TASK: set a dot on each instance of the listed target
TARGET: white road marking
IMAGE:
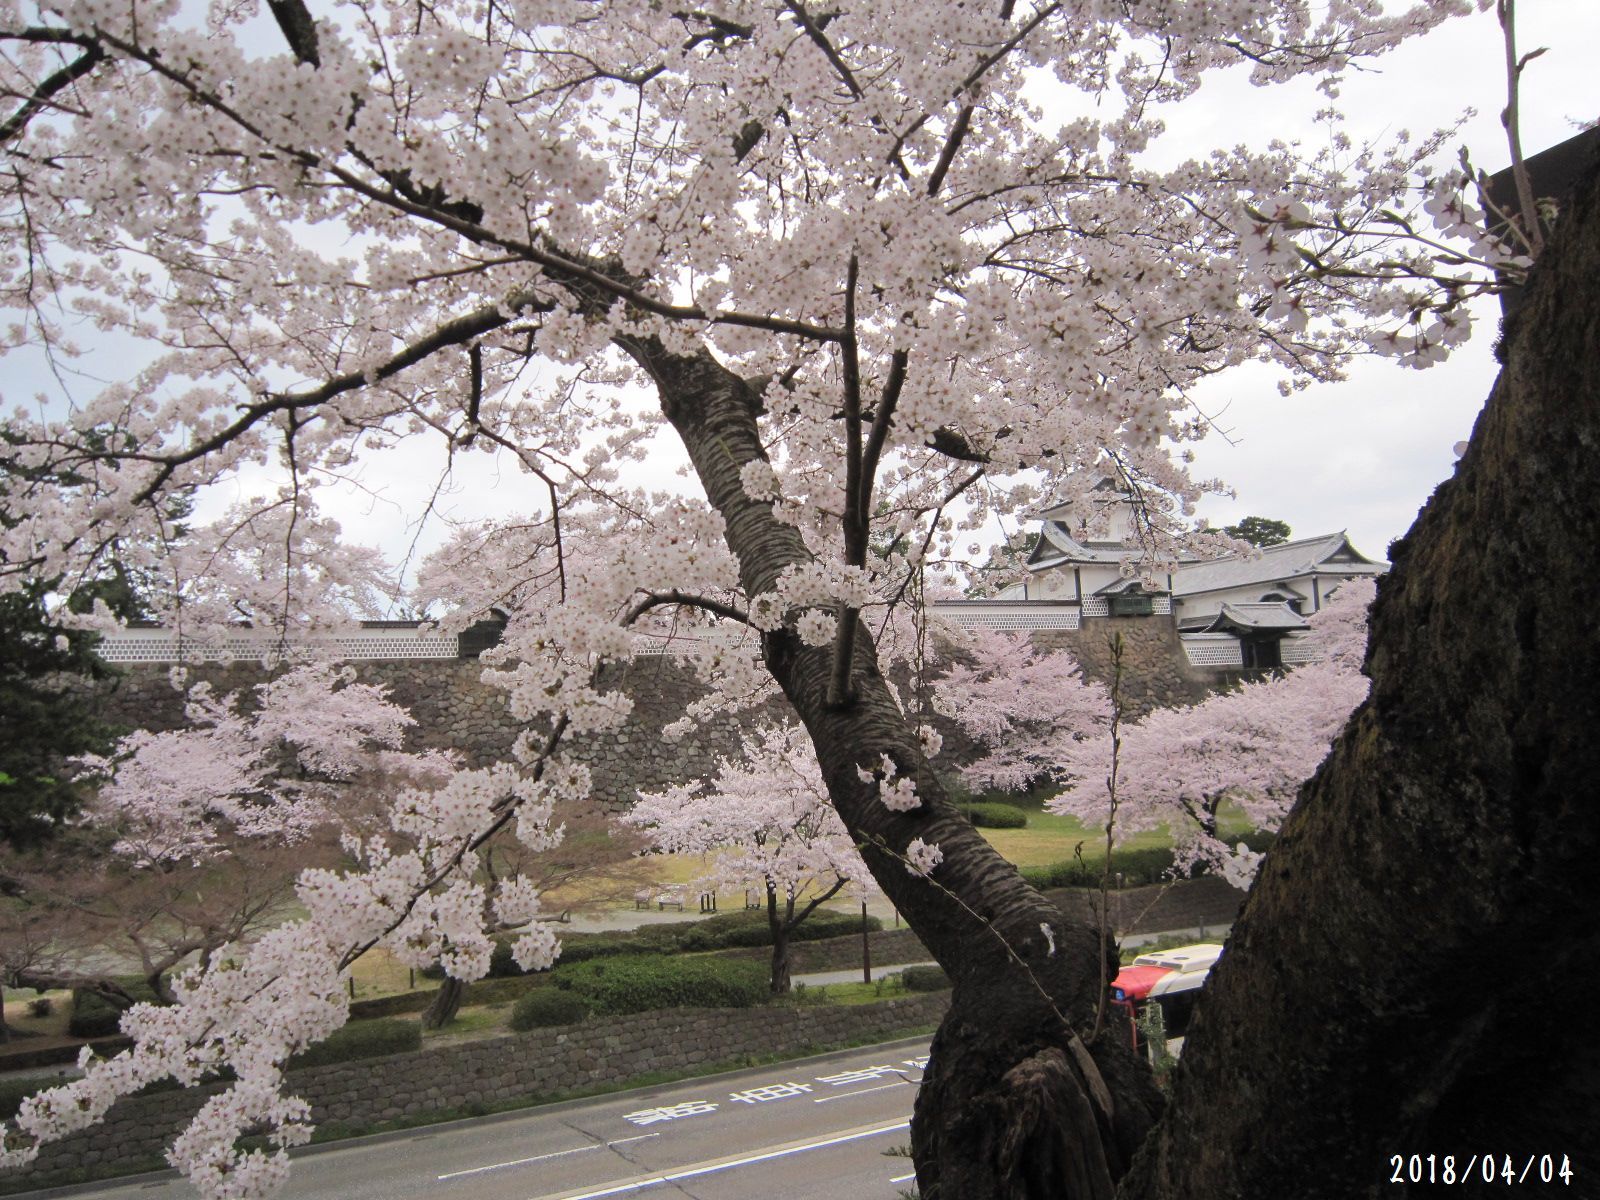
(727, 1164)
(846, 1095)
(636, 1138)
(517, 1162)
(903, 1178)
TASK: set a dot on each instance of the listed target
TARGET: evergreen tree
(1259, 531)
(46, 716)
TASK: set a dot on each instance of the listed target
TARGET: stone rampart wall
(455, 709)
(540, 1063)
(1155, 670)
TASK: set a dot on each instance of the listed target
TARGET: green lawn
(1051, 838)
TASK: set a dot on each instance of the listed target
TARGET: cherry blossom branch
(882, 419)
(978, 72)
(1533, 231)
(927, 540)
(298, 27)
(42, 95)
(452, 333)
(952, 144)
(1113, 779)
(504, 809)
(815, 903)
(568, 270)
(814, 31)
(653, 600)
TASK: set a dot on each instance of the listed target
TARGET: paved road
(817, 1129)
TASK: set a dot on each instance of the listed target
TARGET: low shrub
(499, 991)
(924, 979)
(362, 1039)
(1136, 866)
(993, 815)
(751, 928)
(95, 1016)
(581, 947)
(645, 982)
(390, 1006)
(742, 929)
(42, 1007)
(14, 1091)
(548, 1006)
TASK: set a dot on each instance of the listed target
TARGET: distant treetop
(1259, 531)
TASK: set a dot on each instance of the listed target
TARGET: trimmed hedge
(548, 1006)
(745, 928)
(750, 928)
(639, 984)
(94, 1016)
(993, 815)
(361, 1039)
(1137, 867)
(924, 979)
(577, 947)
(581, 947)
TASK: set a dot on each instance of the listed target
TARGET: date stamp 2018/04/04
(1480, 1168)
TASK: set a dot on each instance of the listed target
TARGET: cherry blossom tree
(877, 293)
(1027, 708)
(194, 837)
(1253, 745)
(767, 820)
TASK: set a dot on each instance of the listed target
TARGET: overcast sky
(1363, 455)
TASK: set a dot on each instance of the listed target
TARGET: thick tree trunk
(1414, 971)
(445, 1005)
(1014, 1103)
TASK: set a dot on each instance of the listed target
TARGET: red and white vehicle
(1170, 978)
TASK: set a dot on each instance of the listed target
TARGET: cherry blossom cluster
(1434, 259)
(896, 792)
(765, 819)
(315, 739)
(922, 857)
(1030, 710)
(249, 1011)
(180, 795)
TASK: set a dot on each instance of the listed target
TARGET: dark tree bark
(1415, 969)
(445, 1005)
(779, 924)
(1013, 1096)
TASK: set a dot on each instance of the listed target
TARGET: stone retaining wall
(542, 1062)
